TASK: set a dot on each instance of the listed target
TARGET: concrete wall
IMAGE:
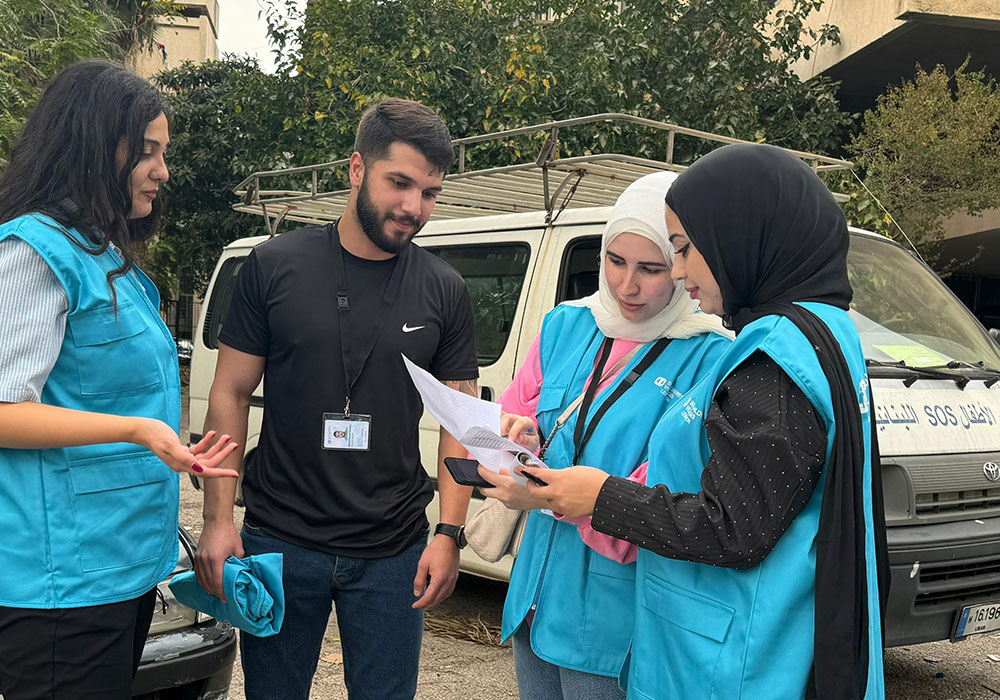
(863, 22)
(184, 38)
(964, 225)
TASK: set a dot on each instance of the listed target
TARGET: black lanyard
(352, 371)
(580, 437)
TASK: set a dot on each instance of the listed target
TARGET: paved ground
(453, 669)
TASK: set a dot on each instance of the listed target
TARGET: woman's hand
(572, 492)
(160, 439)
(519, 429)
(210, 456)
(508, 491)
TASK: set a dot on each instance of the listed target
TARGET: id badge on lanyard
(353, 431)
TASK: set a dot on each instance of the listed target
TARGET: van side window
(579, 269)
(218, 304)
(494, 275)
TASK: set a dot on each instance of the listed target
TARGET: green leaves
(39, 39)
(227, 120)
(930, 149)
(715, 65)
(718, 65)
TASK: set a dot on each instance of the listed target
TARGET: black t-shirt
(361, 504)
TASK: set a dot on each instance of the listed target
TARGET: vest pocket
(114, 354)
(681, 637)
(550, 397)
(550, 406)
(120, 509)
(608, 615)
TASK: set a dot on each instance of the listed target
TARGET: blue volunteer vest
(584, 602)
(704, 632)
(95, 524)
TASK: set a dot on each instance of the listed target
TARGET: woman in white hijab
(595, 382)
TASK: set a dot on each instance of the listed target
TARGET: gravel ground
(452, 668)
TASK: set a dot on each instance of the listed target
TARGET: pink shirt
(521, 398)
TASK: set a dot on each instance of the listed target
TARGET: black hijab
(772, 234)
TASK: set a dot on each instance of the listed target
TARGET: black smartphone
(466, 472)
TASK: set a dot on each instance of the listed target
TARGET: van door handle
(486, 393)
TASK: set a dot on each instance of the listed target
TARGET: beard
(373, 223)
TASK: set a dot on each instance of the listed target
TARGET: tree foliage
(715, 65)
(41, 37)
(931, 149)
(226, 122)
(39, 40)
(136, 21)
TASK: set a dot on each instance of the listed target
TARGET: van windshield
(905, 313)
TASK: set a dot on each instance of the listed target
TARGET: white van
(935, 375)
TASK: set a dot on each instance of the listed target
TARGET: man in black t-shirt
(324, 314)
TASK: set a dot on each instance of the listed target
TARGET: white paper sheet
(473, 422)
(501, 452)
(455, 411)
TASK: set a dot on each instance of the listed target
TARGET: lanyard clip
(347, 407)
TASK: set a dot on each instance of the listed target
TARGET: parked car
(188, 654)
(934, 370)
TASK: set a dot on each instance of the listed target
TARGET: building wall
(864, 22)
(882, 41)
(193, 36)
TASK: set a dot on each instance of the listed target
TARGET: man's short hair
(392, 120)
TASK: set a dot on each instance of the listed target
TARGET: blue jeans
(379, 632)
(539, 680)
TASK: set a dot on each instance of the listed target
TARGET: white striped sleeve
(33, 308)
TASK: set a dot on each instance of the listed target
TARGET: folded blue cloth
(256, 598)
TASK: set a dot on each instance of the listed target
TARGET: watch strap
(455, 532)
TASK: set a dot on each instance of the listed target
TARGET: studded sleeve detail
(768, 446)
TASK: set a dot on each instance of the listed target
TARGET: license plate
(977, 619)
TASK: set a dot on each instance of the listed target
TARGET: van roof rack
(548, 183)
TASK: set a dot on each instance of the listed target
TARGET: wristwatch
(455, 532)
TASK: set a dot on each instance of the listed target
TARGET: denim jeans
(539, 680)
(379, 630)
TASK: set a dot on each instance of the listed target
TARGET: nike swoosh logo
(407, 329)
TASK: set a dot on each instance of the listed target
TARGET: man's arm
(440, 560)
(454, 498)
(237, 374)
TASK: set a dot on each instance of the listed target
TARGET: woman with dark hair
(759, 546)
(89, 391)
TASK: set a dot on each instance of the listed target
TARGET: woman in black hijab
(759, 554)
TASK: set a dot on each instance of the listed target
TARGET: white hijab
(640, 210)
